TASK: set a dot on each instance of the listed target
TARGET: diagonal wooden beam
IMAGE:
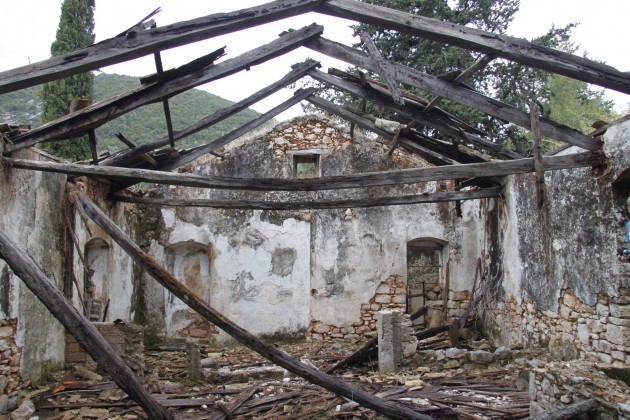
(514, 49)
(437, 197)
(83, 330)
(120, 49)
(461, 78)
(101, 112)
(369, 179)
(277, 356)
(455, 93)
(297, 72)
(383, 69)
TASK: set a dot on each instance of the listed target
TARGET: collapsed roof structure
(461, 153)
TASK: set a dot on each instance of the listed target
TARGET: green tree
(75, 31)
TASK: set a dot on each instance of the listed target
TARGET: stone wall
(10, 358)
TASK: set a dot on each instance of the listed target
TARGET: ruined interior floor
(442, 383)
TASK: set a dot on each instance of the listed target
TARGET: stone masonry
(10, 357)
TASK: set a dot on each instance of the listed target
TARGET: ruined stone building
(312, 227)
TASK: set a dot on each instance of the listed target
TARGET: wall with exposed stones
(281, 272)
(561, 286)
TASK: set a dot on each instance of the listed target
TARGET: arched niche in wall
(96, 280)
(426, 262)
(190, 262)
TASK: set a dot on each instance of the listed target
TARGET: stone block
(321, 328)
(383, 288)
(617, 334)
(618, 355)
(602, 309)
(619, 321)
(382, 299)
(399, 299)
(503, 353)
(619, 311)
(583, 333)
(461, 295)
(595, 326)
(6, 332)
(389, 345)
(481, 356)
(605, 358)
(569, 300)
(455, 353)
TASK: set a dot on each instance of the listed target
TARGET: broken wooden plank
(455, 93)
(246, 338)
(77, 325)
(118, 50)
(514, 49)
(397, 177)
(538, 164)
(311, 204)
(297, 72)
(383, 67)
(101, 112)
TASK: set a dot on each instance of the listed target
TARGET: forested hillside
(140, 126)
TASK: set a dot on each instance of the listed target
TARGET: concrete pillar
(193, 361)
(389, 345)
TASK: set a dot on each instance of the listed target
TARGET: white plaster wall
(32, 204)
(244, 287)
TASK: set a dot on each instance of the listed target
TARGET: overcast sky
(29, 26)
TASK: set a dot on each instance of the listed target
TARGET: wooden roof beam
(121, 49)
(297, 72)
(455, 93)
(369, 179)
(383, 68)
(514, 49)
(101, 112)
(437, 197)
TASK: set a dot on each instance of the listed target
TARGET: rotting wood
(187, 156)
(538, 164)
(93, 146)
(80, 328)
(297, 72)
(571, 412)
(118, 50)
(278, 357)
(383, 67)
(457, 94)
(319, 204)
(515, 49)
(101, 112)
(462, 77)
(367, 179)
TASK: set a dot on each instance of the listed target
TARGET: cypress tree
(75, 31)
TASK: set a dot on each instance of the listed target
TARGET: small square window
(306, 166)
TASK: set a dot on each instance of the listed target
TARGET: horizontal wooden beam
(277, 356)
(457, 94)
(369, 179)
(101, 112)
(314, 205)
(127, 157)
(514, 49)
(139, 44)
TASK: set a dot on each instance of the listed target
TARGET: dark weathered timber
(246, 338)
(514, 49)
(319, 204)
(538, 163)
(383, 67)
(187, 156)
(431, 332)
(571, 412)
(298, 71)
(93, 146)
(457, 94)
(196, 64)
(118, 50)
(76, 324)
(368, 179)
(101, 112)
(461, 78)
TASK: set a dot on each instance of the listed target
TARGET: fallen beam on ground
(124, 48)
(274, 354)
(368, 179)
(77, 325)
(319, 204)
(570, 412)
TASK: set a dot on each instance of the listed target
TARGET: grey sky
(29, 27)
